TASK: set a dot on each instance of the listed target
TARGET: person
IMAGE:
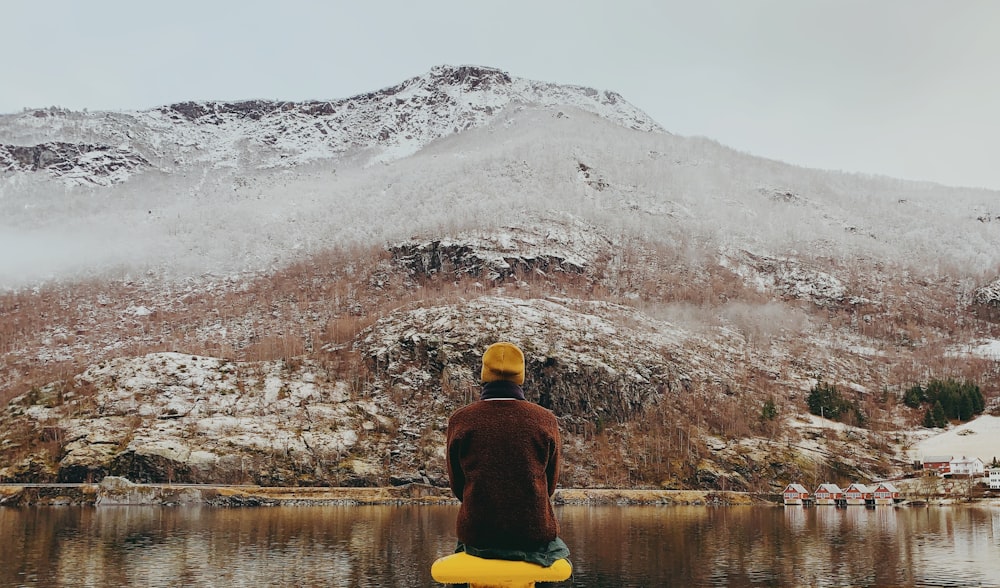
(503, 465)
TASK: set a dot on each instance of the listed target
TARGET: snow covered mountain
(343, 263)
(222, 188)
(376, 127)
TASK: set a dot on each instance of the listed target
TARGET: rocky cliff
(73, 163)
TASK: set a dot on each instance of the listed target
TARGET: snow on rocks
(559, 243)
(74, 163)
(585, 360)
(988, 295)
(175, 416)
(787, 277)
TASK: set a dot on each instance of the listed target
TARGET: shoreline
(114, 491)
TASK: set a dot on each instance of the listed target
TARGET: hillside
(299, 293)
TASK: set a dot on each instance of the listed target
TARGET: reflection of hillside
(393, 547)
(153, 546)
(695, 546)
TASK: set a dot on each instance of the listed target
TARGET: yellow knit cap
(503, 361)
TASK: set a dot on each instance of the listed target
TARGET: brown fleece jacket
(503, 462)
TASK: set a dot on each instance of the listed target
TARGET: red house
(828, 494)
(858, 494)
(795, 494)
(885, 493)
(938, 463)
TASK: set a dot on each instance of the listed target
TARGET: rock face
(74, 163)
(116, 491)
(788, 277)
(173, 417)
(988, 295)
(557, 245)
(304, 421)
(580, 362)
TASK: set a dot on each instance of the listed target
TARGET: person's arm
(552, 468)
(455, 475)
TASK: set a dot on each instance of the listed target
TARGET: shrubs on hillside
(826, 401)
(946, 400)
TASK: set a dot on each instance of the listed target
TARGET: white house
(967, 466)
(994, 480)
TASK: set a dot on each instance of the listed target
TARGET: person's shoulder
(463, 409)
(467, 410)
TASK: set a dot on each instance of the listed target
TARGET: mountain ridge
(392, 123)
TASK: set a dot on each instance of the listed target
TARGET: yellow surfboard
(462, 568)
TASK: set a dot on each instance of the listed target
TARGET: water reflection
(150, 546)
(394, 546)
(754, 546)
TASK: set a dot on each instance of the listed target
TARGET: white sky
(905, 88)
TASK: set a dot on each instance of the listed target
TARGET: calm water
(394, 546)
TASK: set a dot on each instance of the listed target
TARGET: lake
(394, 546)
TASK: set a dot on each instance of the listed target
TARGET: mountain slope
(224, 220)
(342, 264)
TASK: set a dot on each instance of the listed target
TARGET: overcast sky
(905, 88)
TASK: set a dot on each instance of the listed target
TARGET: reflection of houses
(885, 493)
(994, 479)
(941, 464)
(968, 466)
(795, 494)
(829, 494)
(795, 520)
(857, 494)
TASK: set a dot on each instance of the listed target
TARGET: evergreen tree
(978, 402)
(914, 397)
(965, 407)
(928, 419)
(958, 401)
(770, 410)
(826, 401)
(938, 417)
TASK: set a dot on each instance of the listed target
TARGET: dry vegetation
(317, 308)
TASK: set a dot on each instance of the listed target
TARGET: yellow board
(463, 568)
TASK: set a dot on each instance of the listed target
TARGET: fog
(195, 218)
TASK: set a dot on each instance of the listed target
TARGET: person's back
(503, 463)
(503, 456)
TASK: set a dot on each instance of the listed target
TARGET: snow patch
(977, 438)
